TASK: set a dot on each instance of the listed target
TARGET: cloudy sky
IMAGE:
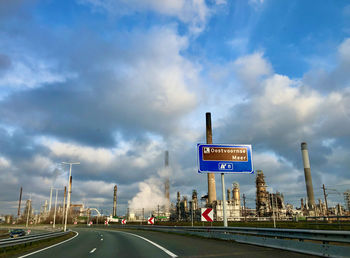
(114, 83)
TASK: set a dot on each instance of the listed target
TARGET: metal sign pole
(223, 199)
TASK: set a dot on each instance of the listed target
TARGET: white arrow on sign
(207, 214)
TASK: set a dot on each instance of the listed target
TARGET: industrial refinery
(268, 205)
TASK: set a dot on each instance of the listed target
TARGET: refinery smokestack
(167, 184)
(308, 178)
(115, 201)
(166, 158)
(19, 203)
(211, 176)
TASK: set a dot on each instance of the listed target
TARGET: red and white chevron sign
(123, 221)
(207, 214)
(151, 220)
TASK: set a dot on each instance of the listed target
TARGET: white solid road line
(50, 246)
(160, 247)
(93, 250)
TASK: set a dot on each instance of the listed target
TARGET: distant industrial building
(347, 200)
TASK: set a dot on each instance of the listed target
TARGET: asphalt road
(134, 243)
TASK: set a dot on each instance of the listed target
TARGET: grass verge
(14, 251)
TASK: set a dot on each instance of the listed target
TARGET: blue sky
(115, 83)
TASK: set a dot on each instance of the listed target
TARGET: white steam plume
(151, 192)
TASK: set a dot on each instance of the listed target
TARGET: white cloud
(102, 156)
(344, 51)
(284, 92)
(96, 188)
(328, 78)
(4, 163)
(279, 113)
(251, 68)
(163, 75)
(141, 156)
(40, 162)
(31, 72)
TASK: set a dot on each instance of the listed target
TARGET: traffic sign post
(223, 200)
(207, 214)
(221, 158)
(150, 221)
(224, 158)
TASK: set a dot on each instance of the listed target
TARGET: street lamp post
(69, 190)
(54, 216)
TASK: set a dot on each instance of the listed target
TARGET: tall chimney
(194, 200)
(228, 194)
(307, 173)
(301, 203)
(19, 202)
(167, 184)
(211, 176)
(178, 206)
(115, 201)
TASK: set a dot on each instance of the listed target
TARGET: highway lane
(97, 242)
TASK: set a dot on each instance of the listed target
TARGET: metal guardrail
(324, 243)
(29, 238)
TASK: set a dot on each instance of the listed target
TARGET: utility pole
(325, 198)
(69, 191)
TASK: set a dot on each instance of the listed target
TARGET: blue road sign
(224, 158)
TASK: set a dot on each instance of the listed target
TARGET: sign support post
(223, 200)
